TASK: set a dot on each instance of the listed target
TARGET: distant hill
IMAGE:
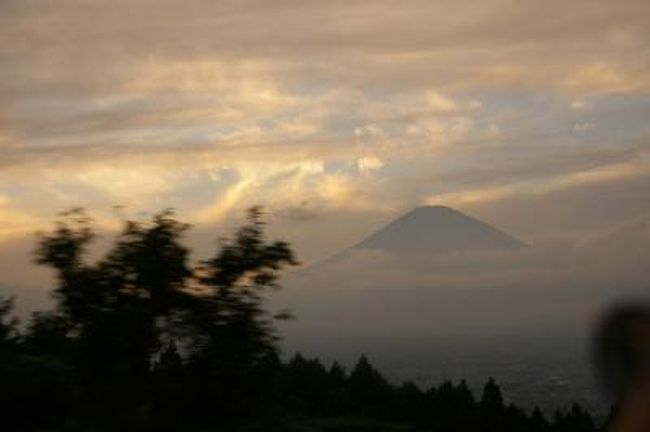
(435, 230)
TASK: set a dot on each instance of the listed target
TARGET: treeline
(142, 340)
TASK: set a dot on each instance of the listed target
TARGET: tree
(116, 314)
(492, 408)
(237, 338)
(143, 304)
(538, 422)
(8, 331)
(369, 390)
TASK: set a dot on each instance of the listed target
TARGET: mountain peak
(432, 211)
(432, 208)
(432, 230)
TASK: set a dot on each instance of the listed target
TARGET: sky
(336, 116)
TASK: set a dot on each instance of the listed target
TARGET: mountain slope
(437, 230)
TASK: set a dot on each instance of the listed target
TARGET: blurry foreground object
(623, 359)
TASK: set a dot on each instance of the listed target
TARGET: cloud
(583, 127)
(226, 202)
(580, 105)
(357, 108)
(300, 213)
(540, 186)
(369, 163)
(14, 222)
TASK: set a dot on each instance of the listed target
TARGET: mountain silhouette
(423, 233)
(434, 230)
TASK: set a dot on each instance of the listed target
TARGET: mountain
(435, 230)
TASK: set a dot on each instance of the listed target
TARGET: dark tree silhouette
(237, 277)
(142, 300)
(236, 339)
(8, 332)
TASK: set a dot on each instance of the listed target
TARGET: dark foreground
(140, 340)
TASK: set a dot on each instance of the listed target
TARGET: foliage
(7, 324)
